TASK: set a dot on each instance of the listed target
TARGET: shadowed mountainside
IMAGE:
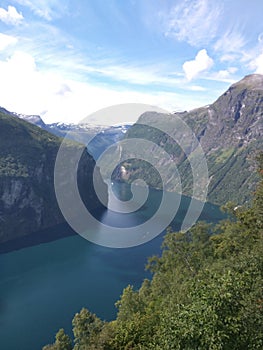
(27, 196)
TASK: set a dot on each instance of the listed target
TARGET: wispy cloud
(11, 16)
(132, 74)
(223, 75)
(6, 40)
(197, 88)
(47, 9)
(62, 54)
(257, 64)
(201, 63)
(193, 21)
(230, 44)
(56, 98)
(235, 49)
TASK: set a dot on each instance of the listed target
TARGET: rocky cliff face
(27, 197)
(230, 132)
(235, 119)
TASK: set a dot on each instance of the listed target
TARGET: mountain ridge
(97, 137)
(230, 131)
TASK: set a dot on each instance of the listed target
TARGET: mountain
(33, 119)
(5, 111)
(97, 137)
(27, 196)
(106, 138)
(100, 136)
(61, 129)
(230, 132)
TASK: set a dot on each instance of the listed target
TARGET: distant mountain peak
(33, 119)
(251, 81)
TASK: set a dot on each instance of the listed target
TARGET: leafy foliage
(85, 328)
(63, 342)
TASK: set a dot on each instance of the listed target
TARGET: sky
(65, 59)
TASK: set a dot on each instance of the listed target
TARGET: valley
(131, 175)
(48, 273)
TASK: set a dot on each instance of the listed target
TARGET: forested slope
(27, 196)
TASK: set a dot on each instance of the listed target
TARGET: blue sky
(66, 59)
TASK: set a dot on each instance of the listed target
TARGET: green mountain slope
(230, 132)
(27, 197)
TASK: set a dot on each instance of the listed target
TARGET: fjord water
(43, 286)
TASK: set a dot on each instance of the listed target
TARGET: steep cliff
(230, 132)
(27, 196)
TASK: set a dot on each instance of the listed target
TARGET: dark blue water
(43, 286)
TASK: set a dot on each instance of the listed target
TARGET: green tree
(223, 314)
(62, 342)
(86, 327)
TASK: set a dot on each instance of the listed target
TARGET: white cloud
(21, 85)
(26, 89)
(194, 21)
(224, 75)
(260, 38)
(6, 40)
(22, 63)
(197, 88)
(201, 63)
(11, 16)
(85, 99)
(64, 90)
(257, 64)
